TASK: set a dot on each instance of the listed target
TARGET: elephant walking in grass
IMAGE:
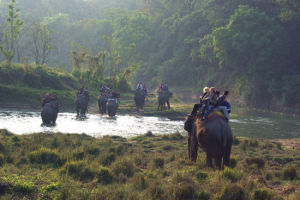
(214, 136)
(49, 112)
(81, 104)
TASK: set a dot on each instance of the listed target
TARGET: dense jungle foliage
(250, 47)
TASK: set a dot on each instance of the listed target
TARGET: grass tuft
(46, 156)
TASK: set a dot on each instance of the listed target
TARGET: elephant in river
(81, 104)
(139, 99)
(102, 100)
(112, 107)
(214, 136)
(163, 99)
(49, 112)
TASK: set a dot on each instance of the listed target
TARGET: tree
(12, 33)
(41, 42)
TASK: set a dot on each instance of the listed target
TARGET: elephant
(49, 112)
(111, 107)
(139, 99)
(163, 99)
(81, 104)
(213, 135)
(102, 100)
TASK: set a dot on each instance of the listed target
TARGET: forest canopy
(250, 47)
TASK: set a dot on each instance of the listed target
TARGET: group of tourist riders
(210, 99)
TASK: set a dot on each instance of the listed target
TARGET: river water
(249, 125)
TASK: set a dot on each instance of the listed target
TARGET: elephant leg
(218, 161)
(168, 103)
(55, 117)
(194, 151)
(208, 160)
(189, 146)
(227, 155)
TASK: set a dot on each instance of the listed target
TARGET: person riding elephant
(214, 136)
(163, 97)
(49, 108)
(113, 104)
(223, 105)
(103, 98)
(82, 101)
(199, 105)
(210, 102)
(140, 95)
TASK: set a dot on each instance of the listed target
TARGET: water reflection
(94, 125)
(256, 126)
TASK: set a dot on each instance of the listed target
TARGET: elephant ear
(188, 124)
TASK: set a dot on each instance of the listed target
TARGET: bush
(184, 191)
(2, 159)
(289, 173)
(79, 171)
(123, 166)
(104, 176)
(107, 159)
(201, 176)
(46, 156)
(233, 192)
(259, 162)
(158, 163)
(230, 175)
(93, 151)
(155, 190)
(235, 141)
(233, 162)
(262, 194)
(79, 155)
(139, 182)
(23, 187)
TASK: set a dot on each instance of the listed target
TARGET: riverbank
(66, 166)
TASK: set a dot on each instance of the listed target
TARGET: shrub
(158, 162)
(4, 188)
(79, 171)
(155, 190)
(2, 159)
(262, 194)
(149, 134)
(259, 162)
(16, 140)
(46, 156)
(289, 173)
(93, 151)
(233, 192)
(20, 186)
(201, 176)
(184, 191)
(230, 175)
(233, 162)
(104, 176)
(123, 166)
(235, 141)
(139, 182)
(79, 155)
(2, 147)
(107, 159)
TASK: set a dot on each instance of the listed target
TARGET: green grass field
(65, 166)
